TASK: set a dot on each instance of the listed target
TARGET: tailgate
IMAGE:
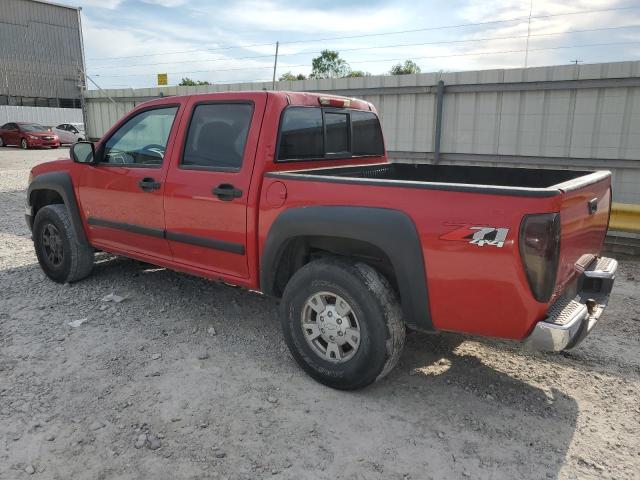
(584, 217)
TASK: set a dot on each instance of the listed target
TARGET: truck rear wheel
(61, 256)
(342, 323)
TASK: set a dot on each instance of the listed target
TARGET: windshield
(33, 127)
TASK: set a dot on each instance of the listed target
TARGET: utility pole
(526, 54)
(99, 87)
(275, 67)
(576, 61)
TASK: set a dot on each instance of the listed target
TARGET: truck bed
(494, 180)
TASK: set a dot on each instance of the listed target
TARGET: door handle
(148, 184)
(227, 192)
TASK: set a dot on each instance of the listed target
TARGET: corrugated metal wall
(573, 116)
(40, 50)
(49, 117)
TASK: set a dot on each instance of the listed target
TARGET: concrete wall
(571, 116)
(45, 116)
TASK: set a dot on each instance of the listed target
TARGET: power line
(388, 59)
(444, 42)
(397, 32)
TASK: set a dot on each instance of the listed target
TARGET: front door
(13, 136)
(122, 195)
(207, 190)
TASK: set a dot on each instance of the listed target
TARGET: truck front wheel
(62, 257)
(342, 323)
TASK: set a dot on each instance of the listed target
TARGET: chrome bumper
(571, 318)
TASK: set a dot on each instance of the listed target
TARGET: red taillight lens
(540, 251)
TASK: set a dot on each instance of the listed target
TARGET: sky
(128, 42)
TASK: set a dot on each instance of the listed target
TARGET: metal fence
(44, 115)
(574, 116)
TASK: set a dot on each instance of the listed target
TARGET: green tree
(187, 82)
(358, 73)
(329, 65)
(409, 66)
(291, 76)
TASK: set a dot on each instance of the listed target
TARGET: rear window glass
(316, 133)
(367, 134)
(301, 134)
(337, 132)
(217, 136)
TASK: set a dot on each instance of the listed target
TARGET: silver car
(70, 132)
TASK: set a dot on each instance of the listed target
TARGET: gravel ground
(188, 378)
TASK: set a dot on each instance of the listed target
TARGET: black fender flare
(59, 182)
(391, 231)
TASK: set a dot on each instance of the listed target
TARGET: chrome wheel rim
(23, 143)
(330, 327)
(52, 245)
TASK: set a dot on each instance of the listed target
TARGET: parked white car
(70, 132)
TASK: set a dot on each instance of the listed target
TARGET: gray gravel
(91, 401)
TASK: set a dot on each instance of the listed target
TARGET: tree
(409, 66)
(329, 65)
(187, 82)
(358, 73)
(290, 76)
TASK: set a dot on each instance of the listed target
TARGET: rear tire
(23, 144)
(1, 142)
(372, 330)
(62, 257)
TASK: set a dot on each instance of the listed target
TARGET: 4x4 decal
(478, 235)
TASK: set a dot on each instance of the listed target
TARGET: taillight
(540, 251)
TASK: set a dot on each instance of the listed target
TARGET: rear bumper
(571, 318)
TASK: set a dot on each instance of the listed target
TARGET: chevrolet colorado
(291, 194)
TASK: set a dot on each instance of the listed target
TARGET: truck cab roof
(289, 97)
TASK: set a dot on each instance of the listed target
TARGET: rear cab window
(312, 133)
(217, 136)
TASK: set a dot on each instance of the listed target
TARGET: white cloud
(108, 4)
(167, 3)
(272, 16)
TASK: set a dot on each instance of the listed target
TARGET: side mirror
(83, 152)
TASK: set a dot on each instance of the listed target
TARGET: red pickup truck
(291, 194)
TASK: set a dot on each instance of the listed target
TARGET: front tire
(1, 142)
(62, 257)
(342, 323)
(23, 144)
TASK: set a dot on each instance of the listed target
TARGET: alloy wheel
(330, 327)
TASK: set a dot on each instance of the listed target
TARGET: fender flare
(59, 182)
(391, 231)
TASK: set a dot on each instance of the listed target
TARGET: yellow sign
(163, 79)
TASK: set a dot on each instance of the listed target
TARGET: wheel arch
(370, 234)
(54, 188)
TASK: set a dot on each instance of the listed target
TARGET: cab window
(217, 136)
(312, 133)
(142, 140)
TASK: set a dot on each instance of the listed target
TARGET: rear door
(208, 186)
(63, 132)
(122, 195)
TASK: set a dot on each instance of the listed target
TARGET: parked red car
(291, 193)
(27, 135)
